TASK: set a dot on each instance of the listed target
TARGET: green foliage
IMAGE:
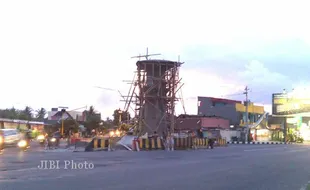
(125, 116)
(108, 123)
(93, 119)
(299, 140)
(12, 113)
(125, 127)
(40, 114)
(290, 137)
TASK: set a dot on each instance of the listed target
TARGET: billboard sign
(285, 104)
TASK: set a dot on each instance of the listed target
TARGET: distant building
(234, 111)
(54, 115)
(21, 124)
(205, 126)
(193, 122)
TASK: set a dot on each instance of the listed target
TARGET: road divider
(98, 144)
(148, 144)
(221, 142)
(181, 143)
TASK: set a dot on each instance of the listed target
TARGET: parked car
(11, 136)
(1, 141)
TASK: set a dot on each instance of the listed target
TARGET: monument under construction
(156, 85)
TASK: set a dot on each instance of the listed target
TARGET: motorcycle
(23, 145)
(41, 140)
(51, 143)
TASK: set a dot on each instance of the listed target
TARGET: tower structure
(157, 82)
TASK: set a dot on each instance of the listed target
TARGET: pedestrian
(211, 143)
(194, 140)
(170, 142)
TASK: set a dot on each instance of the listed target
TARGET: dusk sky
(53, 53)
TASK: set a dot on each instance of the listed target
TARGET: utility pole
(246, 92)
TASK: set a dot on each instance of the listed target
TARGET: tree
(107, 123)
(26, 114)
(125, 116)
(93, 119)
(40, 114)
(9, 113)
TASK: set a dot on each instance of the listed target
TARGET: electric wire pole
(246, 92)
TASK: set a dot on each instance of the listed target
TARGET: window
(218, 104)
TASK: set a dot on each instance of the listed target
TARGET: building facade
(234, 111)
(21, 124)
(206, 126)
(186, 122)
(291, 111)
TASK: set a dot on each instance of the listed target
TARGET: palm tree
(40, 114)
(26, 114)
(92, 118)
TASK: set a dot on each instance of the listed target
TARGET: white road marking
(20, 170)
(279, 148)
(257, 149)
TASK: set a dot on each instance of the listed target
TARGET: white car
(11, 136)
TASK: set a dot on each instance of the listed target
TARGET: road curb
(267, 142)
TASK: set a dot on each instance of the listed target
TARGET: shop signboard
(285, 104)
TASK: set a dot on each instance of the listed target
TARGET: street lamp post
(63, 111)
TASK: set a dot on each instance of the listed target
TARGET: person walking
(170, 142)
(194, 137)
(211, 143)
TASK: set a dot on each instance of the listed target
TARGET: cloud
(204, 83)
(209, 82)
(256, 73)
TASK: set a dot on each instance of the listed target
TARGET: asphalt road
(237, 167)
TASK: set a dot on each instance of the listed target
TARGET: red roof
(228, 101)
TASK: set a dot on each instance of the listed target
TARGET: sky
(54, 53)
